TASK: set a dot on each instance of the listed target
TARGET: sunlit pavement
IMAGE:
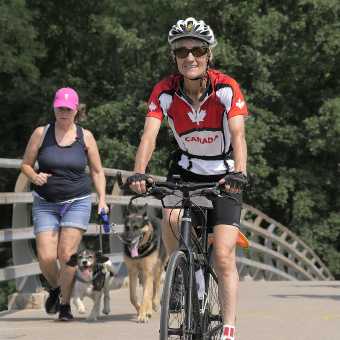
(300, 310)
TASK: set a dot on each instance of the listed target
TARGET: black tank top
(67, 166)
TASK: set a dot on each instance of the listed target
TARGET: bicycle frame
(185, 245)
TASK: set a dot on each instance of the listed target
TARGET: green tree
(19, 71)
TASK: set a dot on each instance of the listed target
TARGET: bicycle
(191, 318)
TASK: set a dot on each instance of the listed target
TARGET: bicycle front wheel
(173, 323)
(212, 321)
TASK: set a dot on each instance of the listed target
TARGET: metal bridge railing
(275, 253)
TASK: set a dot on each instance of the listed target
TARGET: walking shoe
(53, 301)
(176, 295)
(65, 312)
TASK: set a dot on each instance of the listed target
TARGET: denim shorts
(46, 215)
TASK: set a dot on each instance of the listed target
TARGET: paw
(92, 318)
(106, 310)
(81, 309)
(143, 318)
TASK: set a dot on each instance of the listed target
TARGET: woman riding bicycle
(206, 112)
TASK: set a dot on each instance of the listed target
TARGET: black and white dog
(92, 279)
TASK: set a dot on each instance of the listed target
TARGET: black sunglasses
(183, 52)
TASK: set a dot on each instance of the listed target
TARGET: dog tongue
(86, 272)
(134, 249)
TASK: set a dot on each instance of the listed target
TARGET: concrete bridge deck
(282, 310)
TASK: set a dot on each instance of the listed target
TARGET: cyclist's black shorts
(226, 210)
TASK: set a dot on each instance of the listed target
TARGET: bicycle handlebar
(158, 189)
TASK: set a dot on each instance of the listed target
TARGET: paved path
(305, 310)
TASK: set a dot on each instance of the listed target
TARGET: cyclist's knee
(224, 260)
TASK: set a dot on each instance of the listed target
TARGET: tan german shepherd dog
(145, 257)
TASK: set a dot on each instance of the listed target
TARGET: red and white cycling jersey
(202, 135)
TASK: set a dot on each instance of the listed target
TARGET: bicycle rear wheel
(211, 318)
(173, 323)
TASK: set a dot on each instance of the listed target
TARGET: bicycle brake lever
(160, 193)
(211, 193)
(157, 193)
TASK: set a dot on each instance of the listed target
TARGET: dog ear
(144, 211)
(72, 262)
(101, 258)
(131, 208)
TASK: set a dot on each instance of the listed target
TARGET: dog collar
(147, 244)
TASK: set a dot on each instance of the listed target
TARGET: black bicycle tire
(167, 318)
(212, 317)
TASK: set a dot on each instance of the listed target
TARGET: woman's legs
(47, 246)
(68, 244)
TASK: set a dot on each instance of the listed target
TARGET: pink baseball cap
(66, 97)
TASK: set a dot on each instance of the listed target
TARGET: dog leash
(103, 220)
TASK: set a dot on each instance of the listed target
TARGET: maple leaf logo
(152, 106)
(198, 117)
(240, 104)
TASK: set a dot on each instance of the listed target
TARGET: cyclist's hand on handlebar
(235, 182)
(137, 182)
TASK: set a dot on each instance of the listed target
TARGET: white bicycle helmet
(190, 28)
